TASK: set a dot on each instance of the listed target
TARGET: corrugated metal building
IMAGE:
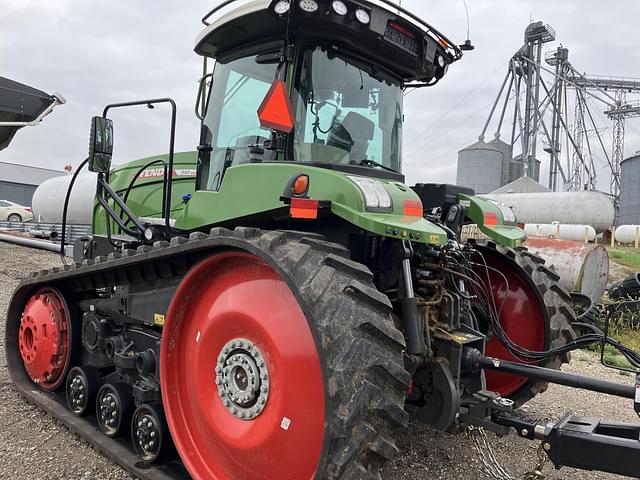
(18, 182)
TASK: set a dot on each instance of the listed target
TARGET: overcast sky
(97, 52)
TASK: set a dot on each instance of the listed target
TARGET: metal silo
(629, 213)
(507, 153)
(480, 167)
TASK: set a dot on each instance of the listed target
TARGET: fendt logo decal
(159, 172)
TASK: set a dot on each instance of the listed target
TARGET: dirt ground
(34, 446)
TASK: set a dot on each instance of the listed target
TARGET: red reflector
(490, 219)
(412, 208)
(276, 112)
(403, 30)
(304, 208)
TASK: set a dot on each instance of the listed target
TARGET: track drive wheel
(279, 359)
(536, 314)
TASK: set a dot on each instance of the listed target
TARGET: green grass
(627, 256)
(629, 337)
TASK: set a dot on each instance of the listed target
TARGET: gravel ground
(35, 446)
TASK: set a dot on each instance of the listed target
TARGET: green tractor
(273, 304)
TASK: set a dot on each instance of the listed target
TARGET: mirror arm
(106, 188)
(166, 207)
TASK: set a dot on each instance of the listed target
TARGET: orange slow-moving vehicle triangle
(276, 111)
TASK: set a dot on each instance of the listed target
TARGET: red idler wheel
(242, 383)
(522, 316)
(44, 338)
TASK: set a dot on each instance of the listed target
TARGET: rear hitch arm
(586, 443)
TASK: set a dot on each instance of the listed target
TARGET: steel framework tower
(618, 112)
(546, 113)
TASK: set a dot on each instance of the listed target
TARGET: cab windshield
(346, 114)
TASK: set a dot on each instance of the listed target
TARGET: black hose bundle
(459, 265)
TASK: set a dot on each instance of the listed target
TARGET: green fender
(490, 219)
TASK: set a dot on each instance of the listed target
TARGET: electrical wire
(480, 285)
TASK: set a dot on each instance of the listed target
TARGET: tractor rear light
(375, 195)
(363, 16)
(412, 208)
(282, 7)
(308, 6)
(339, 7)
(490, 219)
(300, 185)
(304, 208)
(276, 111)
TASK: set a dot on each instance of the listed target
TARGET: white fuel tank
(574, 208)
(48, 199)
(579, 233)
(627, 234)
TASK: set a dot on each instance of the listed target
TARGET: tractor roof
(390, 36)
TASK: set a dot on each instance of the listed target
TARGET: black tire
(360, 349)
(558, 304)
(14, 217)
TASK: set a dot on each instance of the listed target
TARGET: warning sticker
(158, 320)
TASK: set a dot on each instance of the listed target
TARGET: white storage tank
(579, 233)
(627, 234)
(577, 208)
(480, 167)
(48, 199)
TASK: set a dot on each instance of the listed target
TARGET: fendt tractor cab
(277, 303)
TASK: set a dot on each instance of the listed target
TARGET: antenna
(467, 45)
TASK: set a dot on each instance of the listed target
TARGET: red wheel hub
(44, 339)
(235, 295)
(522, 317)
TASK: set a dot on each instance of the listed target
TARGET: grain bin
(480, 167)
(507, 152)
(629, 213)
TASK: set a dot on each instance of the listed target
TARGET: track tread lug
(247, 233)
(160, 244)
(197, 236)
(372, 296)
(177, 241)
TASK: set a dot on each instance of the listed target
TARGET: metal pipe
(30, 242)
(46, 234)
(555, 376)
(495, 104)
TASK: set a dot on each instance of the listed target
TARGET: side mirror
(100, 145)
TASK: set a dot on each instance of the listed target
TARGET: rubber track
(357, 340)
(557, 302)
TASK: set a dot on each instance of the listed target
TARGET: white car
(13, 212)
